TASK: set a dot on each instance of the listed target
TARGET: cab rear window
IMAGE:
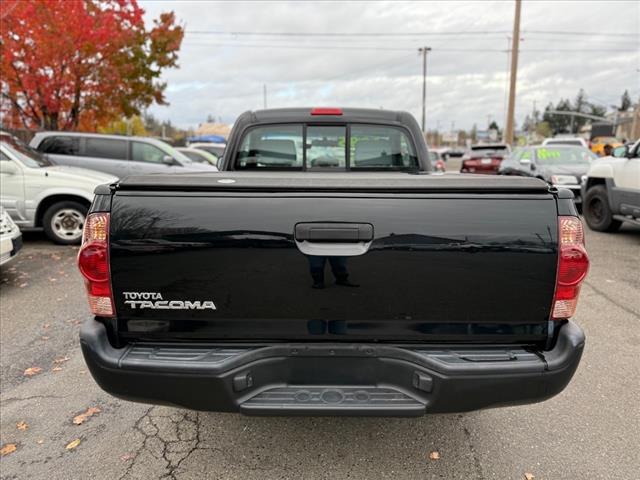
(326, 147)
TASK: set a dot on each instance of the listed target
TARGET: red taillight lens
(573, 265)
(93, 262)
(326, 111)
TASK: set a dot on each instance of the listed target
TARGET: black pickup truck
(332, 292)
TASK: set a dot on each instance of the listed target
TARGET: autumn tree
(78, 64)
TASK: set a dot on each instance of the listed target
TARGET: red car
(484, 158)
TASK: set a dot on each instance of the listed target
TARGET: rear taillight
(93, 262)
(573, 265)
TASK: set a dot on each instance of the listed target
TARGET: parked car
(437, 161)
(215, 149)
(567, 140)
(10, 237)
(114, 154)
(484, 158)
(598, 144)
(38, 194)
(379, 330)
(198, 156)
(561, 166)
(611, 190)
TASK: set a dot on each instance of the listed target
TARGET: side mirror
(8, 167)
(168, 160)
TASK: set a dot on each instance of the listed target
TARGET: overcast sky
(370, 58)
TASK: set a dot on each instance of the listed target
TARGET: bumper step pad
(331, 400)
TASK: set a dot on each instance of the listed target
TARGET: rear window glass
(290, 147)
(381, 147)
(326, 147)
(273, 147)
(106, 148)
(60, 145)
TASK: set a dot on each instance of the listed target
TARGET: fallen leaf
(434, 456)
(83, 417)
(60, 360)
(22, 426)
(126, 457)
(40, 441)
(8, 448)
(529, 476)
(22, 285)
(74, 444)
(56, 369)
(31, 371)
(53, 279)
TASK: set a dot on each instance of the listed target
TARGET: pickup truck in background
(314, 293)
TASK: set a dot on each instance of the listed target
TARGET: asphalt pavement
(590, 431)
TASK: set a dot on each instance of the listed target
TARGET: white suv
(611, 190)
(37, 194)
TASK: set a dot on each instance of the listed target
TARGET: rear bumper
(10, 245)
(331, 379)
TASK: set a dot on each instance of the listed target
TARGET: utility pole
(264, 95)
(424, 51)
(508, 136)
(506, 88)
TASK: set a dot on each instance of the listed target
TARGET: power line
(406, 34)
(404, 49)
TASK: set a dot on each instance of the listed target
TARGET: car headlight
(563, 180)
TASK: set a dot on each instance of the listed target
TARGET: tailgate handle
(334, 232)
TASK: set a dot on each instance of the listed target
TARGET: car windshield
(564, 156)
(25, 154)
(195, 156)
(181, 157)
(216, 151)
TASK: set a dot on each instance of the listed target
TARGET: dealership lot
(589, 431)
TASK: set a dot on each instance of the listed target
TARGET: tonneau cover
(311, 181)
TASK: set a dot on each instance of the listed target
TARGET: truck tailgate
(354, 261)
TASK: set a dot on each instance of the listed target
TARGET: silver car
(114, 154)
(38, 194)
